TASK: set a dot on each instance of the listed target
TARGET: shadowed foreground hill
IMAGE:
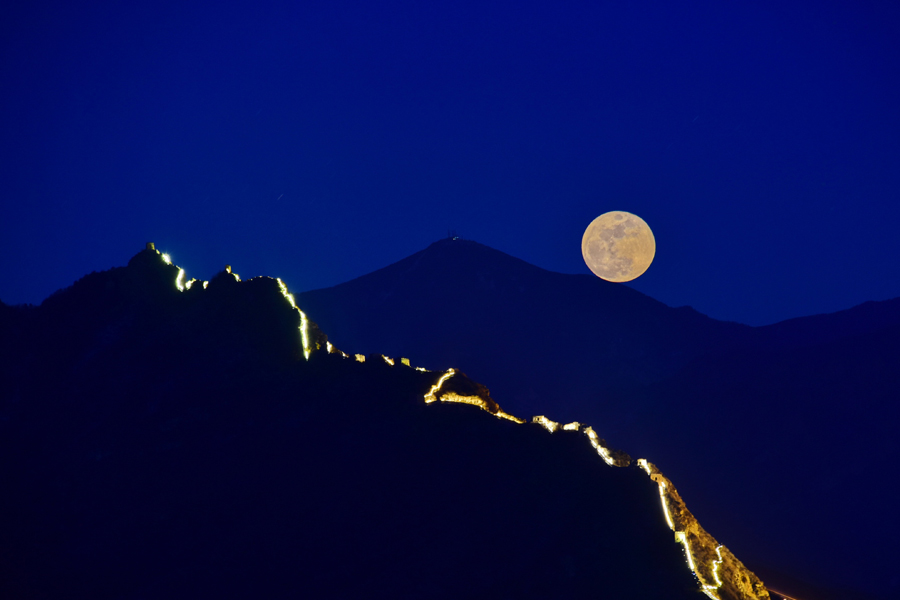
(166, 444)
(777, 436)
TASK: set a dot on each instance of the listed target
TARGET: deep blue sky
(760, 141)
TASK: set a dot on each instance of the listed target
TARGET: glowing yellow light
(285, 293)
(405, 361)
(709, 590)
(661, 486)
(480, 403)
(716, 565)
(389, 361)
(205, 283)
(429, 397)
(179, 279)
(665, 504)
(505, 415)
(421, 369)
(595, 442)
(573, 426)
(681, 537)
(454, 397)
(344, 354)
(304, 333)
(546, 423)
(304, 322)
(360, 358)
(188, 284)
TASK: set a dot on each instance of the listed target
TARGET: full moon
(618, 246)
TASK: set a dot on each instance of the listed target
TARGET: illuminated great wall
(720, 575)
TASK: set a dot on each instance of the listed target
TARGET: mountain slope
(459, 303)
(730, 411)
(211, 442)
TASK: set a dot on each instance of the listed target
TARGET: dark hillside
(156, 443)
(772, 431)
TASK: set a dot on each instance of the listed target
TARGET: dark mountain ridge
(732, 409)
(817, 329)
(161, 439)
(457, 302)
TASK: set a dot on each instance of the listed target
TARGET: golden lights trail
(478, 401)
(433, 395)
(181, 285)
(304, 321)
(430, 397)
(709, 589)
(331, 350)
(553, 426)
(601, 450)
(546, 423)
(716, 565)
(681, 536)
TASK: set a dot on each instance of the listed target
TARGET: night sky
(760, 141)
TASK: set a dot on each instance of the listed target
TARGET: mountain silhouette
(170, 438)
(459, 303)
(777, 435)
